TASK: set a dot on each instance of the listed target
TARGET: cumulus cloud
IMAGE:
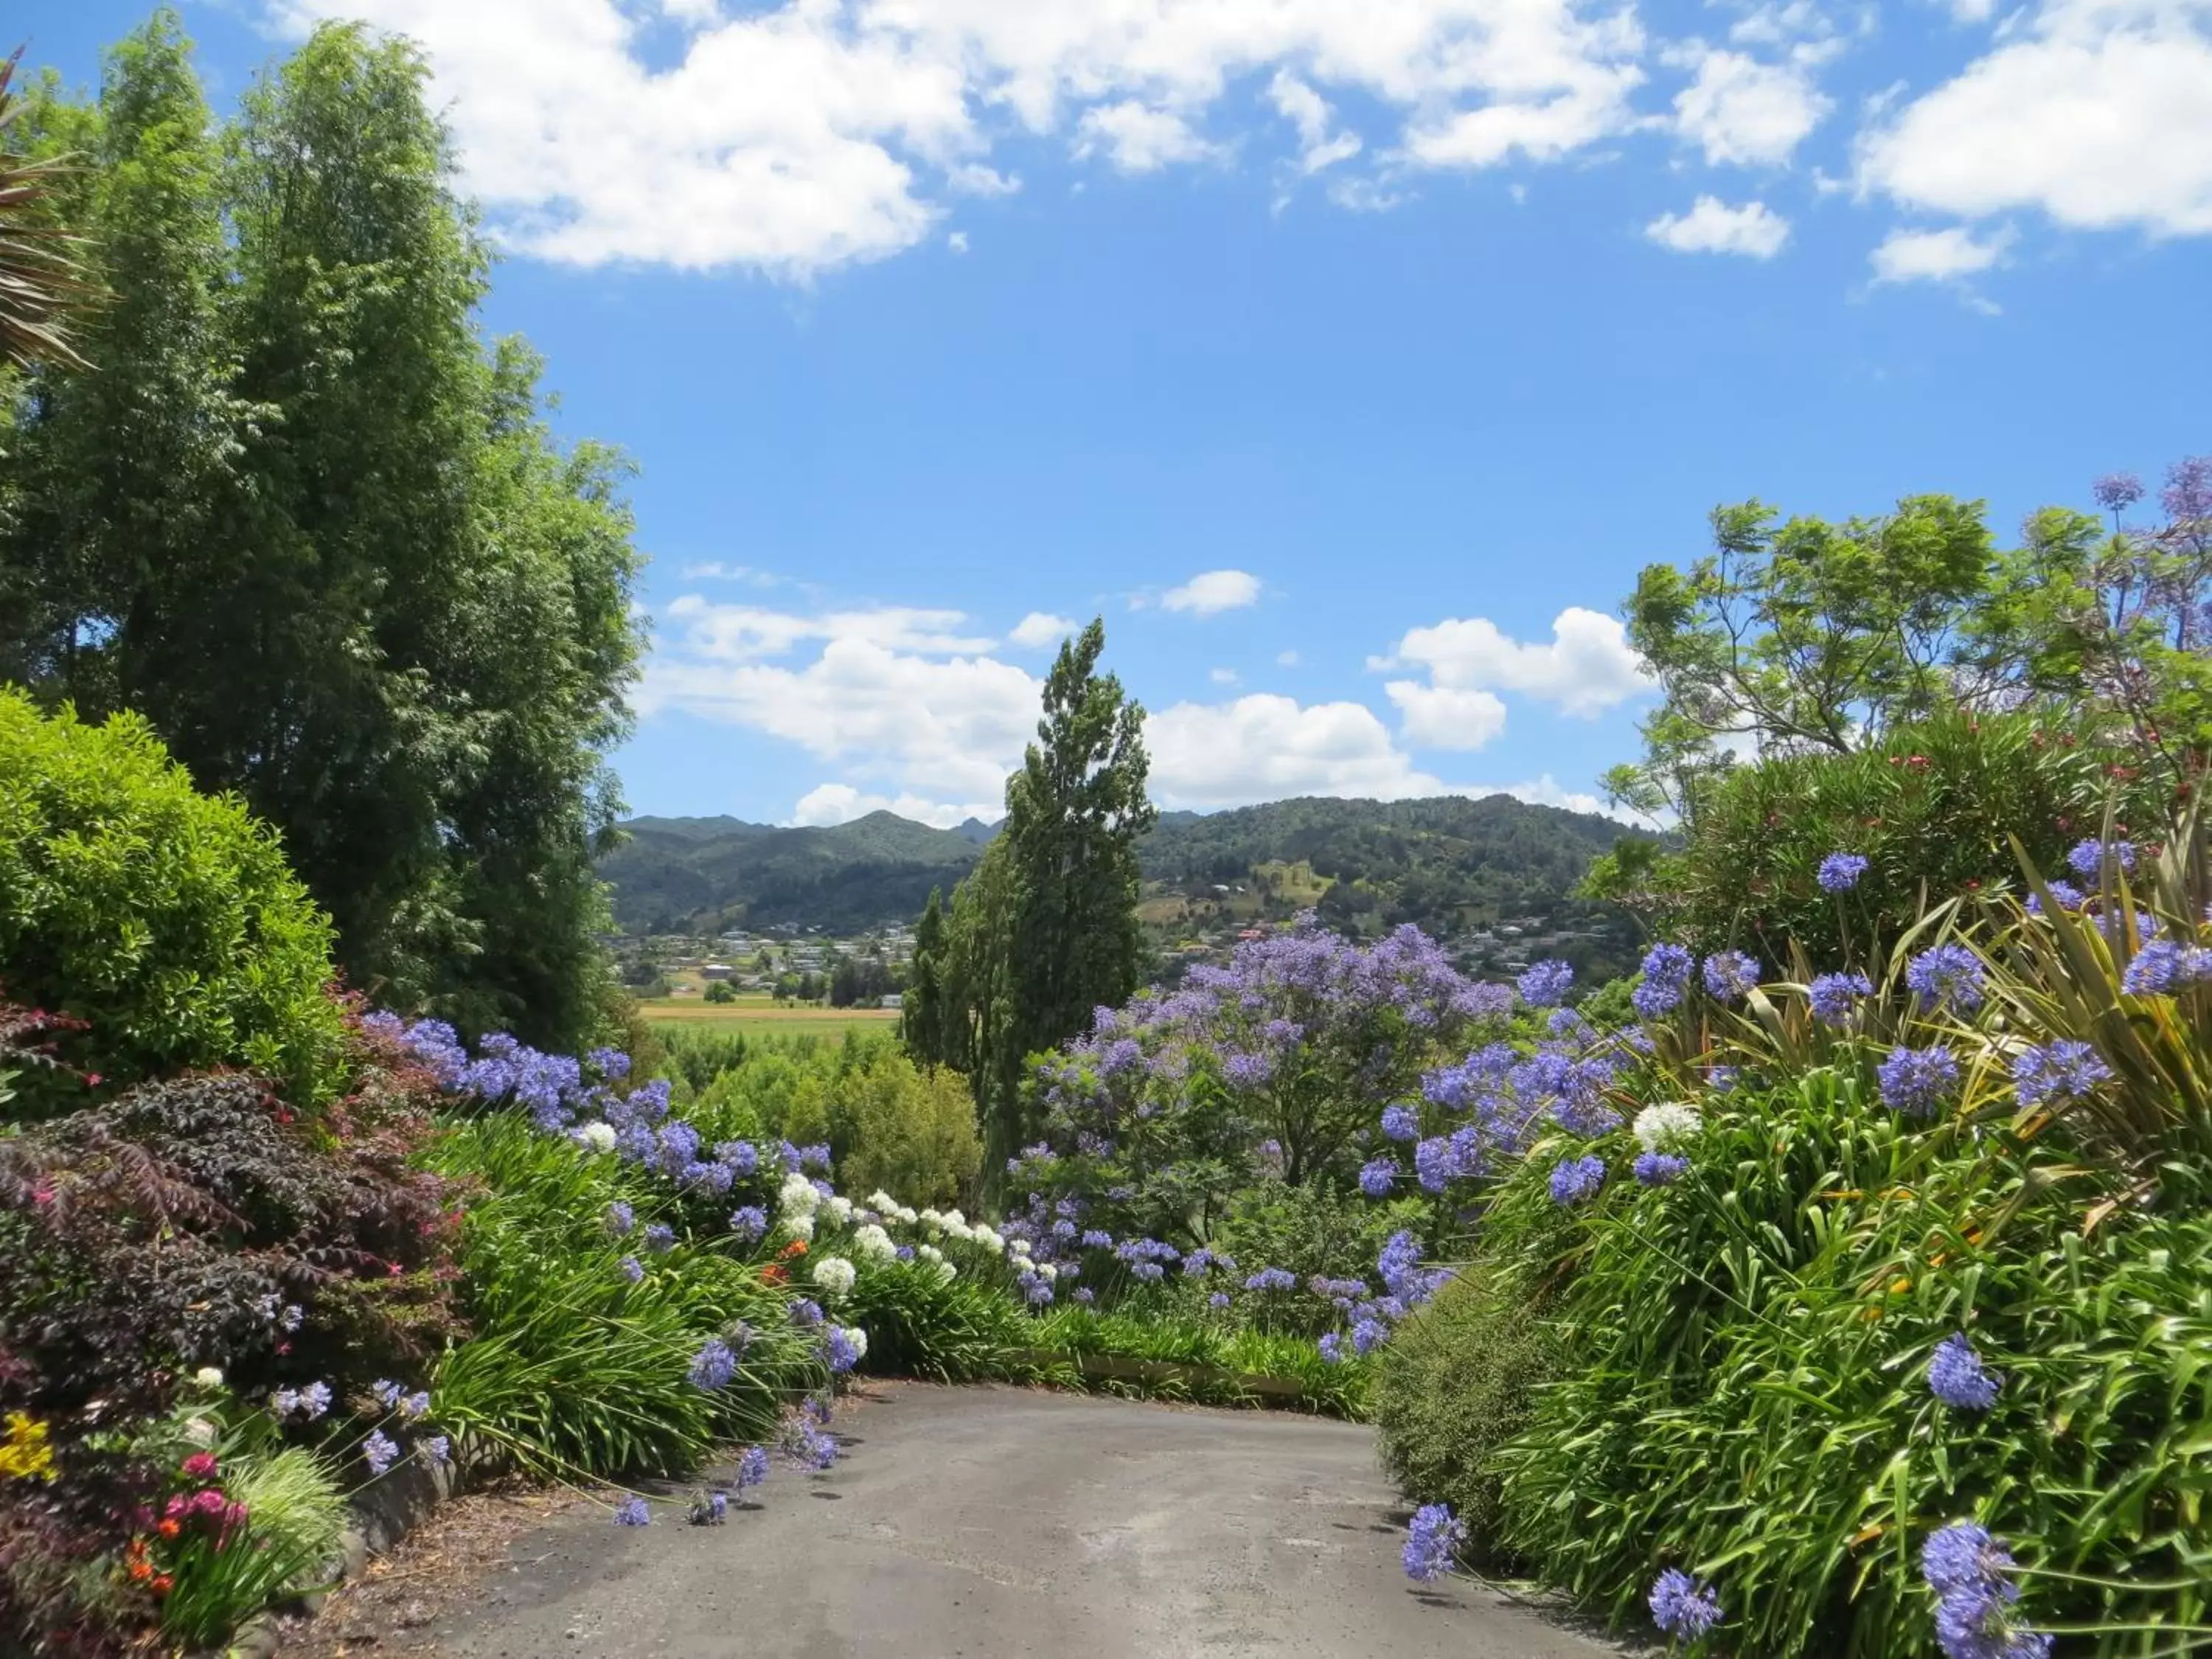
(1711, 226)
(1309, 112)
(2093, 112)
(1213, 592)
(1936, 256)
(1738, 109)
(1041, 629)
(893, 693)
(1585, 668)
(1445, 716)
(1264, 747)
(795, 135)
(832, 803)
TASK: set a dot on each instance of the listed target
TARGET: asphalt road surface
(992, 1523)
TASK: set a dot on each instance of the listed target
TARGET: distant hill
(1454, 867)
(702, 875)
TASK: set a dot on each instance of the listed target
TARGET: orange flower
(167, 1528)
(773, 1275)
(797, 1247)
(164, 1584)
(141, 1571)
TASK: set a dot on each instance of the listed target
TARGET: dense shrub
(165, 919)
(1747, 1393)
(1932, 808)
(195, 1222)
(1458, 1380)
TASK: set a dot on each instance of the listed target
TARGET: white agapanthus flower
(945, 1272)
(929, 1253)
(1047, 1271)
(952, 1220)
(207, 1377)
(838, 1208)
(835, 1275)
(858, 1339)
(990, 1239)
(1667, 1125)
(199, 1432)
(596, 1137)
(903, 1216)
(799, 1226)
(875, 1243)
(797, 1195)
(961, 1235)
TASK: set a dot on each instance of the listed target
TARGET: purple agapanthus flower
(752, 1466)
(2088, 859)
(1434, 1537)
(2065, 894)
(1218, 1300)
(2164, 966)
(1332, 1348)
(633, 1512)
(1730, 975)
(1546, 985)
(632, 1269)
(1840, 871)
(1575, 1179)
(1667, 970)
(749, 1223)
(1271, 1278)
(1832, 997)
(1660, 1169)
(1918, 1081)
(1946, 976)
(660, 1237)
(1957, 1376)
(379, 1451)
(1377, 1176)
(620, 1219)
(714, 1365)
(1400, 1122)
(1682, 1607)
(2057, 1074)
(1975, 1612)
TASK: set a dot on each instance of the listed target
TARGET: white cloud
(1712, 227)
(957, 241)
(1309, 112)
(1286, 659)
(1586, 668)
(2095, 111)
(1041, 629)
(832, 803)
(1444, 716)
(1139, 138)
(795, 135)
(1213, 592)
(1936, 256)
(734, 632)
(892, 693)
(1223, 676)
(1740, 109)
(1264, 747)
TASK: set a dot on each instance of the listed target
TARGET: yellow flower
(26, 1456)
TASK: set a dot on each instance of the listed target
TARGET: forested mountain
(1449, 864)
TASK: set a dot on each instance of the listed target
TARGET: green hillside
(1451, 865)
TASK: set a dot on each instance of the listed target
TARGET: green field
(767, 1017)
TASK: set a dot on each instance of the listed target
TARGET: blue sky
(1349, 357)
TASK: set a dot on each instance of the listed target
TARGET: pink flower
(200, 1465)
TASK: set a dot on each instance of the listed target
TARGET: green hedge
(166, 919)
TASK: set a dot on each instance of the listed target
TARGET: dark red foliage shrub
(199, 1221)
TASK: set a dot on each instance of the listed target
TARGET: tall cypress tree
(1074, 812)
(922, 1016)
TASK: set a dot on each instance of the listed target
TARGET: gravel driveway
(996, 1523)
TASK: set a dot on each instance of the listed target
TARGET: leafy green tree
(922, 1016)
(1799, 635)
(310, 525)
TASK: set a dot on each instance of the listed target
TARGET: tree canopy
(309, 522)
